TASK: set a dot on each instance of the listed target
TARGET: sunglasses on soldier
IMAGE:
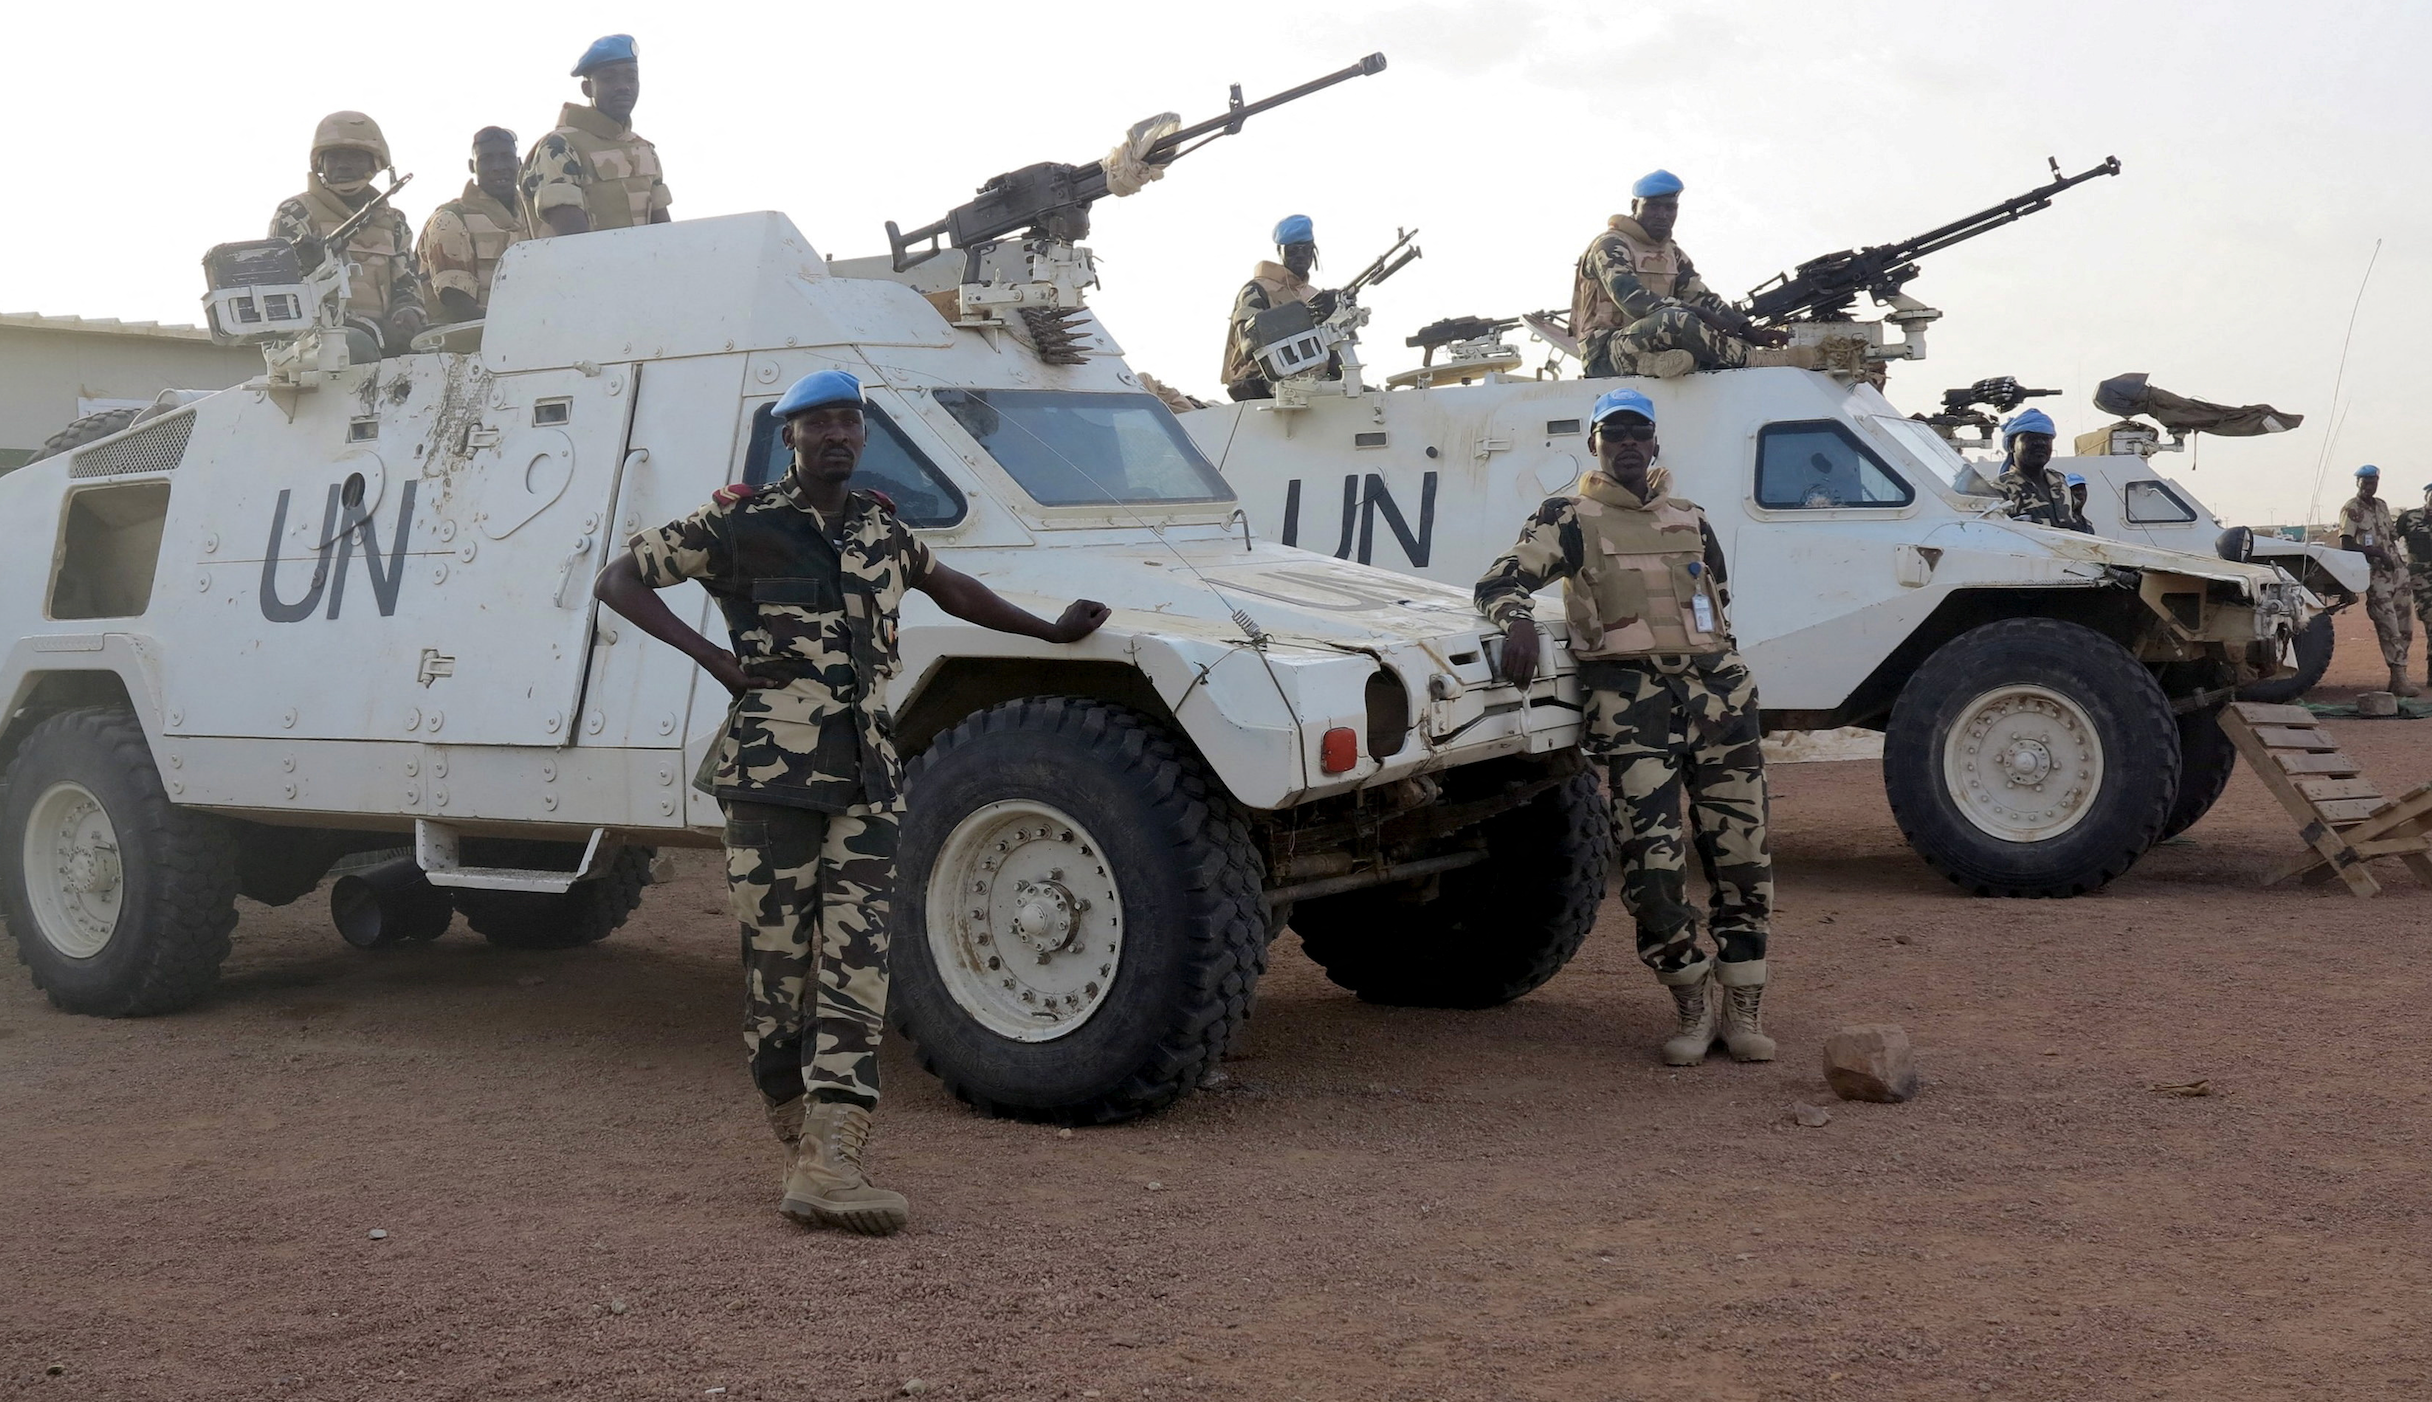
(1636, 433)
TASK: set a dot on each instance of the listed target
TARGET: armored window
(2154, 502)
(1821, 466)
(922, 495)
(1075, 449)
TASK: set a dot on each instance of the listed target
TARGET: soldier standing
(2365, 526)
(1272, 285)
(1638, 306)
(810, 575)
(1670, 705)
(384, 289)
(2033, 491)
(2414, 526)
(594, 171)
(463, 239)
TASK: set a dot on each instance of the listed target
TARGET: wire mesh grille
(156, 448)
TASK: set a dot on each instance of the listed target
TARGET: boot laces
(1747, 1007)
(1690, 998)
(851, 1133)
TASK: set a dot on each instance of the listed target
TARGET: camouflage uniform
(597, 164)
(2414, 527)
(2045, 504)
(1633, 296)
(461, 244)
(1670, 705)
(385, 278)
(2370, 523)
(807, 771)
(1271, 285)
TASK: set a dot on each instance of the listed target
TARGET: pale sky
(2266, 149)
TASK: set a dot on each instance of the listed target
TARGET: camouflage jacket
(2414, 526)
(1271, 285)
(815, 602)
(2044, 504)
(1554, 546)
(2370, 523)
(1625, 276)
(385, 277)
(597, 164)
(461, 244)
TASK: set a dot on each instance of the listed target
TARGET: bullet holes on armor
(551, 413)
(362, 430)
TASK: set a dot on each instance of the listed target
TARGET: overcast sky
(2266, 149)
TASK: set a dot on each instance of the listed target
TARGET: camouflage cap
(350, 131)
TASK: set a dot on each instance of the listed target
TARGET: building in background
(54, 369)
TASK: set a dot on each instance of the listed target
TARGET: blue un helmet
(818, 390)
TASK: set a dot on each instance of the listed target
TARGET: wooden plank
(2348, 810)
(2301, 762)
(2263, 713)
(2403, 814)
(2320, 789)
(2327, 844)
(2289, 737)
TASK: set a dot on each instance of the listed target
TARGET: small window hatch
(1368, 440)
(1557, 428)
(551, 412)
(362, 430)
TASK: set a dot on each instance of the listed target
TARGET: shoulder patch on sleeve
(885, 503)
(733, 494)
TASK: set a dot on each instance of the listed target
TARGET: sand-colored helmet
(351, 130)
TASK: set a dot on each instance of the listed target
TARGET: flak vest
(494, 228)
(1642, 574)
(1593, 310)
(1283, 290)
(620, 168)
(374, 251)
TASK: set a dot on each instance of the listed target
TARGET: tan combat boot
(1743, 989)
(786, 1120)
(1693, 993)
(1666, 365)
(2399, 685)
(826, 1186)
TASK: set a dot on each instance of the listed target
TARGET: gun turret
(1052, 199)
(1822, 289)
(1975, 406)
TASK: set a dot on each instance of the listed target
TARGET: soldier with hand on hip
(464, 238)
(384, 288)
(1638, 306)
(594, 171)
(2367, 527)
(810, 575)
(1670, 707)
(1272, 285)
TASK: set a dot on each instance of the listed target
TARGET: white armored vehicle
(345, 608)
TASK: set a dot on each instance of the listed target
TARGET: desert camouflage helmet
(350, 129)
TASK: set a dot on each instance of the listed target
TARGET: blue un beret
(2027, 421)
(1654, 183)
(1622, 401)
(615, 48)
(818, 390)
(2368, 470)
(2074, 480)
(1295, 228)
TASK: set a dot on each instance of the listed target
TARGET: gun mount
(258, 292)
(1977, 406)
(1300, 349)
(1474, 350)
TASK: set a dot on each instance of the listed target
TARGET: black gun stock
(1054, 198)
(1822, 289)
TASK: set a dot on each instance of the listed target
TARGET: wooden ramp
(2343, 818)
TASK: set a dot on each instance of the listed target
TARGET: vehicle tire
(1494, 931)
(121, 901)
(91, 428)
(1079, 930)
(2314, 647)
(2205, 760)
(586, 913)
(2005, 705)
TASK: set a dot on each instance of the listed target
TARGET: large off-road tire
(2013, 705)
(91, 428)
(121, 902)
(1078, 931)
(586, 913)
(2205, 759)
(1494, 931)
(2314, 647)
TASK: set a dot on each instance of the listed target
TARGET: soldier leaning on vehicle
(2367, 527)
(1670, 706)
(1638, 306)
(594, 171)
(2029, 486)
(464, 238)
(2414, 528)
(1272, 285)
(809, 574)
(384, 292)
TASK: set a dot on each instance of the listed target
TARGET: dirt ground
(578, 1192)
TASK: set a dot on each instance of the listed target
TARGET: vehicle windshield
(1075, 449)
(1955, 471)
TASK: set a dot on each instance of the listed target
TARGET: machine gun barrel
(1057, 196)
(1385, 266)
(1822, 288)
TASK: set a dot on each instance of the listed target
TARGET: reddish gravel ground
(1382, 1204)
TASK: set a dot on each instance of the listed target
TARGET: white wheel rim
(1025, 920)
(73, 879)
(2023, 763)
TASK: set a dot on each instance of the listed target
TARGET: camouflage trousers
(2385, 602)
(1672, 328)
(812, 890)
(2419, 578)
(1665, 731)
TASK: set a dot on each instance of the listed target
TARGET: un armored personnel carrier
(345, 607)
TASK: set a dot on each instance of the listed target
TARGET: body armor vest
(375, 250)
(619, 168)
(1641, 578)
(1657, 265)
(1283, 290)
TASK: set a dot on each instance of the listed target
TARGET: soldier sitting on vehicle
(1669, 706)
(810, 574)
(384, 293)
(1272, 285)
(2028, 485)
(1638, 306)
(594, 171)
(463, 239)
(2077, 501)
